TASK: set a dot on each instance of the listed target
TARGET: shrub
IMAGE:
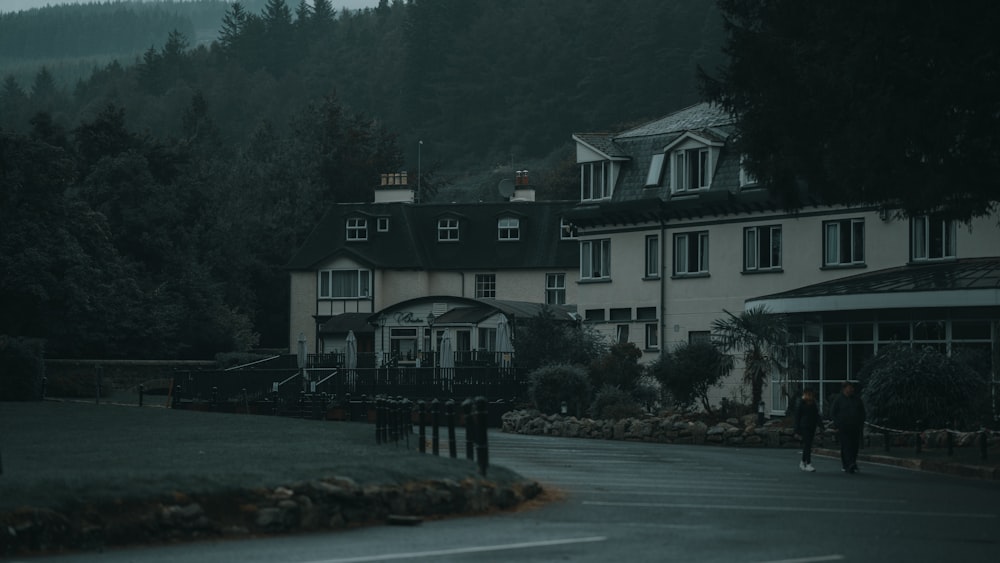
(901, 386)
(23, 367)
(612, 403)
(690, 371)
(551, 385)
(543, 340)
(619, 367)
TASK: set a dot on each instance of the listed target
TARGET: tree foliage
(907, 388)
(886, 102)
(618, 367)
(543, 340)
(551, 386)
(690, 371)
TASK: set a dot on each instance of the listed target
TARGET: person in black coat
(807, 421)
(848, 414)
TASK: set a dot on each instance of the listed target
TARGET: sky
(16, 5)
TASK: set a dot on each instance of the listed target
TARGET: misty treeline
(147, 210)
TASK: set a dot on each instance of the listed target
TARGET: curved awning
(972, 282)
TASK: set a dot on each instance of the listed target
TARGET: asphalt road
(651, 502)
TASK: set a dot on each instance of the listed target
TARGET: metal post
(177, 397)
(449, 416)
(45, 384)
(142, 390)
(98, 372)
(422, 414)
(949, 439)
(215, 399)
(919, 437)
(482, 447)
(886, 437)
(246, 402)
(408, 424)
(983, 442)
(393, 414)
(378, 420)
(470, 429)
(275, 399)
(435, 426)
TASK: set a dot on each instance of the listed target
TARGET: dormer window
(509, 228)
(747, 180)
(357, 228)
(567, 231)
(595, 180)
(692, 169)
(382, 224)
(655, 173)
(447, 230)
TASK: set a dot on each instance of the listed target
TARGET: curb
(983, 472)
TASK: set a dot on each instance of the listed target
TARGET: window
(844, 242)
(595, 259)
(594, 315)
(382, 224)
(932, 238)
(403, 343)
(652, 336)
(509, 228)
(344, 284)
(655, 170)
(699, 337)
(566, 230)
(652, 256)
(487, 339)
(692, 169)
(624, 314)
(762, 248)
(746, 178)
(447, 229)
(486, 286)
(357, 228)
(691, 253)
(555, 289)
(595, 180)
(645, 313)
(621, 334)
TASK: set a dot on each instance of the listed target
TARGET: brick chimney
(523, 190)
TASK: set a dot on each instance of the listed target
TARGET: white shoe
(806, 466)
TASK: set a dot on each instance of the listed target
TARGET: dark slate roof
(963, 274)
(411, 241)
(691, 118)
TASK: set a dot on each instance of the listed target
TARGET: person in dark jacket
(807, 420)
(848, 414)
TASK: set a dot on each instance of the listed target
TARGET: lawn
(58, 453)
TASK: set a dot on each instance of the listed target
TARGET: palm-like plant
(763, 338)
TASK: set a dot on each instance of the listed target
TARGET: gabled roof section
(411, 241)
(602, 143)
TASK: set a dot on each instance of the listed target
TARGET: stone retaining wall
(324, 504)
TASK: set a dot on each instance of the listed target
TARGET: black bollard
(470, 429)
(97, 383)
(393, 414)
(141, 392)
(347, 407)
(983, 442)
(176, 399)
(378, 420)
(215, 399)
(919, 438)
(422, 421)
(435, 426)
(408, 421)
(45, 384)
(886, 437)
(275, 399)
(949, 439)
(246, 401)
(482, 446)
(449, 416)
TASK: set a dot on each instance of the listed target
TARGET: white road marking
(809, 559)
(719, 494)
(463, 550)
(794, 509)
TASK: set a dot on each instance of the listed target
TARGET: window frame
(362, 284)
(652, 256)
(486, 286)
(753, 247)
(854, 225)
(700, 245)
(382, 224)
(588, 191)
(681, 176)
(555, 287)
(566, 230)
(587, 255)
(448, 230)
(357, 229)
(948, 243)
(508, 229)
(652, 336)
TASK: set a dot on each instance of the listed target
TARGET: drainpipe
(663, 287)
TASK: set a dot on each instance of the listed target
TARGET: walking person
(807, 420)
(848, 414)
